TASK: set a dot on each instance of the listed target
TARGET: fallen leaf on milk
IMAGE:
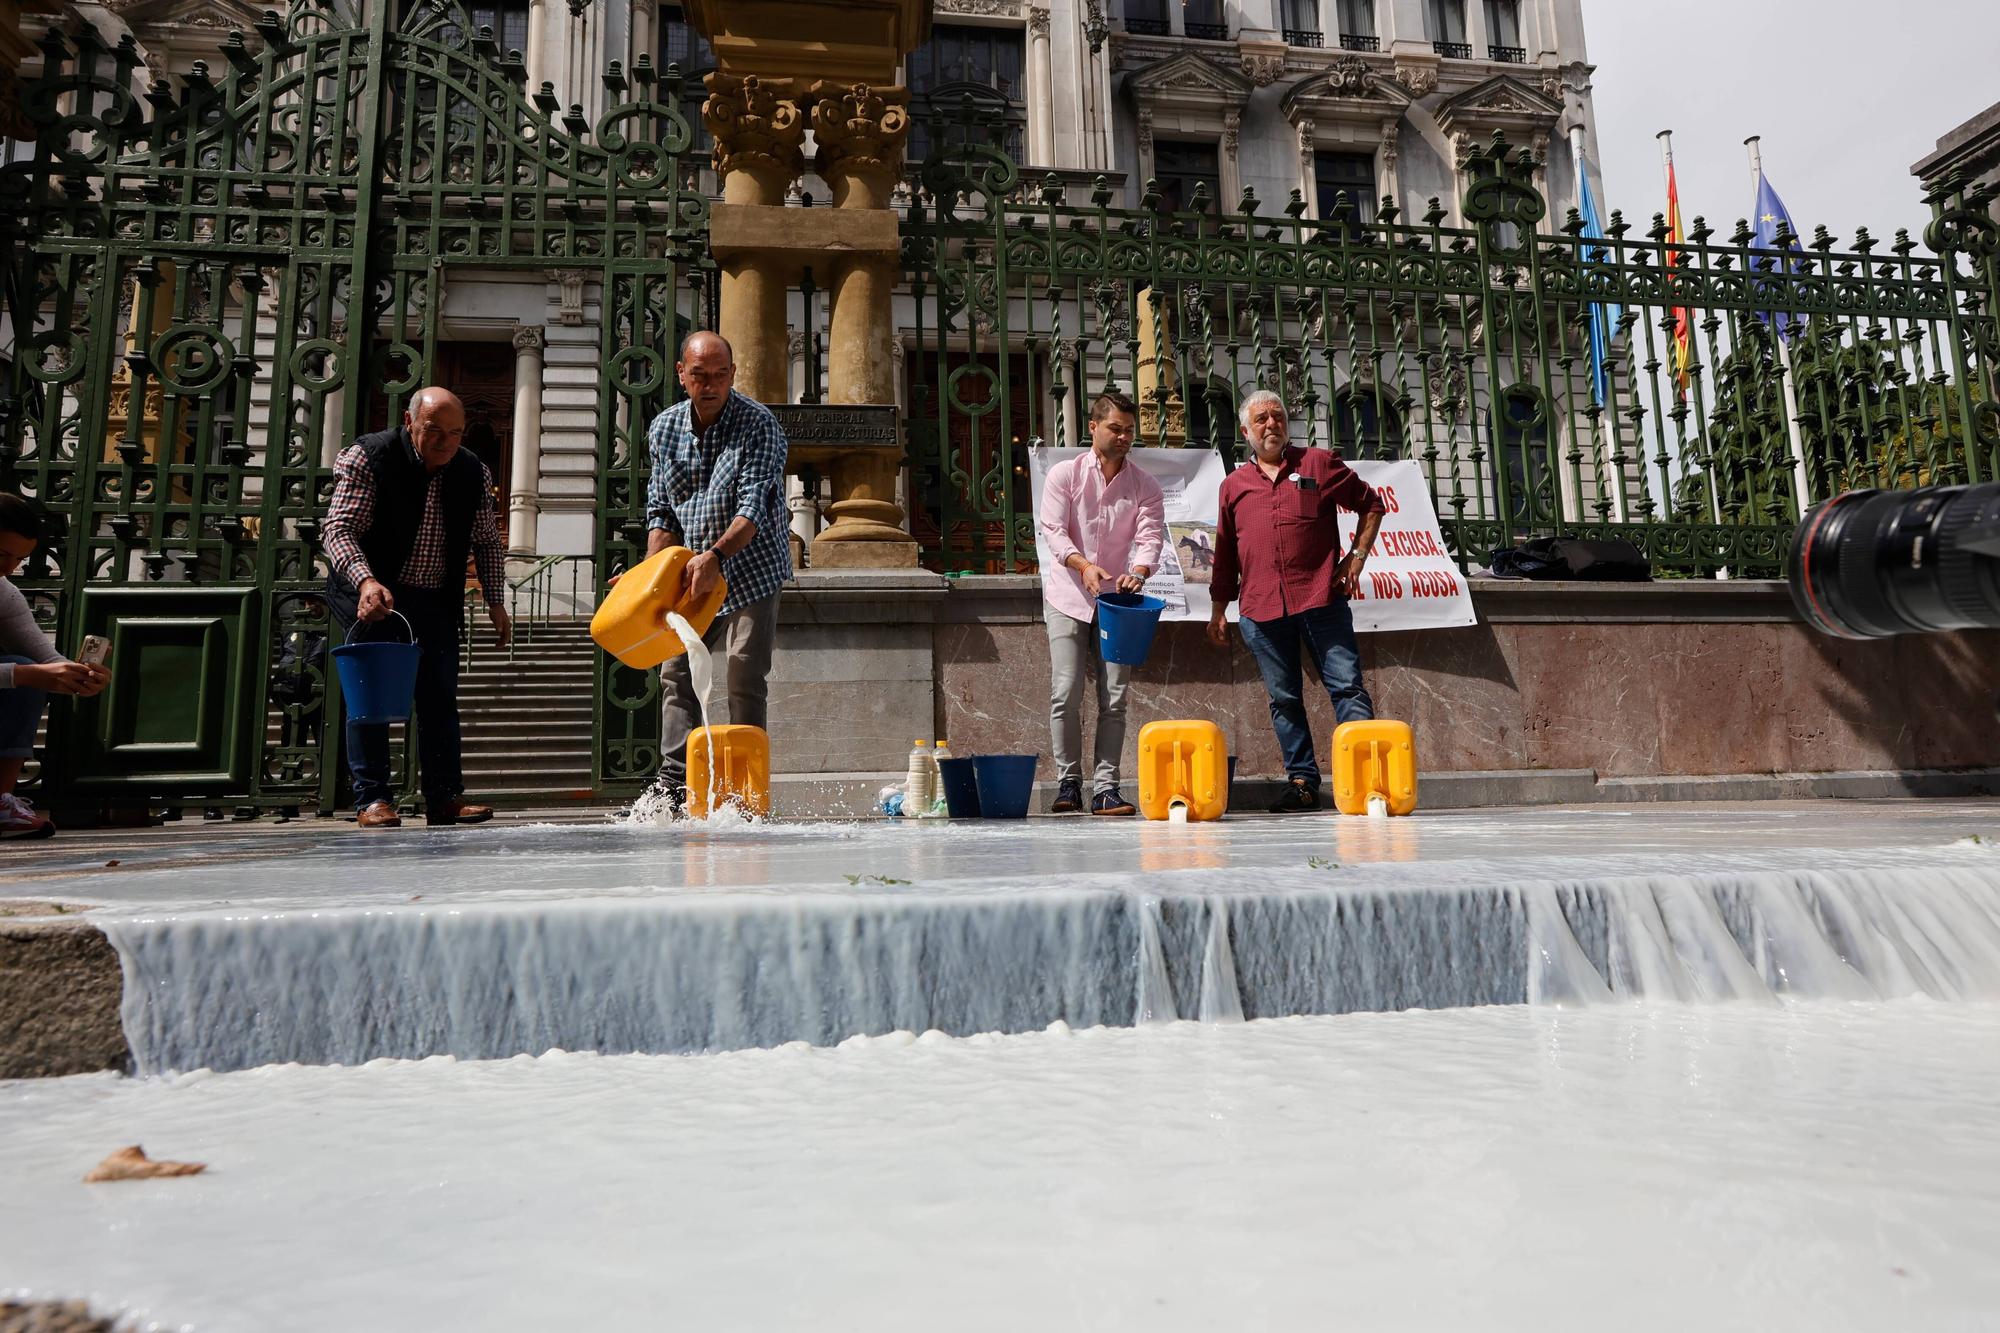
(133, 1164)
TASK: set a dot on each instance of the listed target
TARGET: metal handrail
(537, 586)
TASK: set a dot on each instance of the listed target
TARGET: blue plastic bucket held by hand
(1006, 782)
(378, 679)
(1126, 622)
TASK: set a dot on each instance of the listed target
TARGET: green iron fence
(1464, 346)
(211, 287)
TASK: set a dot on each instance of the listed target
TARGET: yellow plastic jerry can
(730, 763)
(631, 624)
(1183, 764)
(1376, 758)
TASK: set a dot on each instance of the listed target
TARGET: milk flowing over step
(736, 970)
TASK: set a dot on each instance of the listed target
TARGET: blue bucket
(1125, 625)
(961, 787)
(378, 680)
(1006, 781)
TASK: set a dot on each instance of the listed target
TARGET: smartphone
(96, 650)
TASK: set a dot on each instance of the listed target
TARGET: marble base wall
(1668, 680)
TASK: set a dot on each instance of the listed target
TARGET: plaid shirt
(701, 484)
(352, 512)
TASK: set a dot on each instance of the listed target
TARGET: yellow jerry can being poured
(1374, 761)
(631, 624)
(728, 763)
(1184, 768)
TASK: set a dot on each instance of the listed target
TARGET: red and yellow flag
(1683, 353)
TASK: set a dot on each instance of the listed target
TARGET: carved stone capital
(859, 129)
(1038, 22)
(1232, 122)
(530, 338)
(1350, 77)
(756, 124)
(1463, 148)
(1263, 67)
(1145, 129)
(1308, 140)
(1419, 79)
(570, 302)
(1391, 130)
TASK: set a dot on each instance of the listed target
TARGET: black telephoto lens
(1868, 564)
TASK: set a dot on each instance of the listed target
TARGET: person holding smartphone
(30, 670)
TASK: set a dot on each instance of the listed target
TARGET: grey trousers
(740, 644)
(1072, 653)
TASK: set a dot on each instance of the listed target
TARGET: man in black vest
(409, 506)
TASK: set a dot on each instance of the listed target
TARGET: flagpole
(1801, 478)
(1576, 142)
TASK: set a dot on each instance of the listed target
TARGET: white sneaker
(18, 819)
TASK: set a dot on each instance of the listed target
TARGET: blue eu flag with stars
(1771, 217)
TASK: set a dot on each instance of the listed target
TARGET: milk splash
(656, 806)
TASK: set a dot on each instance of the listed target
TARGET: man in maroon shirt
(1277, 550)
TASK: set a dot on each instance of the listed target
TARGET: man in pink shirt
(1104, 520)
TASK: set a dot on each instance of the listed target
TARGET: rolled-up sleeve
(660, 515)
(760, 480)
(1352, 493)
(1152, 530)
(1058, 494)
(349, 514)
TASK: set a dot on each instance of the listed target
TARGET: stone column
(759, 151)
(1155, 383)
(525, 474)
(860, 131)
(1143, 132)
(1041, 91)
(645, 32)
(536, 57)
(333, 412)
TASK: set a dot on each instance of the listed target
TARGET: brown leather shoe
(457, 811)
(379, 815)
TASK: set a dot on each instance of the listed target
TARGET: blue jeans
(1327, 632)
(435, 617)
(20, 713)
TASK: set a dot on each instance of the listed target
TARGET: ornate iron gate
(209, 289)
(1464, 347)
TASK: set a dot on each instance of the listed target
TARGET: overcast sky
(1846, 94)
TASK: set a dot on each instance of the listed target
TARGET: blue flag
(1603, 318)
(1771, 216)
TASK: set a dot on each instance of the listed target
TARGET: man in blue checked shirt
(718, 488)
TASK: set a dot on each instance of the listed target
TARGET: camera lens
(1873, 563)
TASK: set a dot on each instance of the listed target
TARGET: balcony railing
(1148, 27)
(1511, 55)
(1453, 50)
(1207, 32)
(1304, 37)
(1354, 42)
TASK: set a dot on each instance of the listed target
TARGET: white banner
(1410, 581)
(1190, 483)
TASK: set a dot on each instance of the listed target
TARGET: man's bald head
(707, 371)
(435, 420)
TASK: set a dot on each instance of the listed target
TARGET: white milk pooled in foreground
(1660, 1167)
